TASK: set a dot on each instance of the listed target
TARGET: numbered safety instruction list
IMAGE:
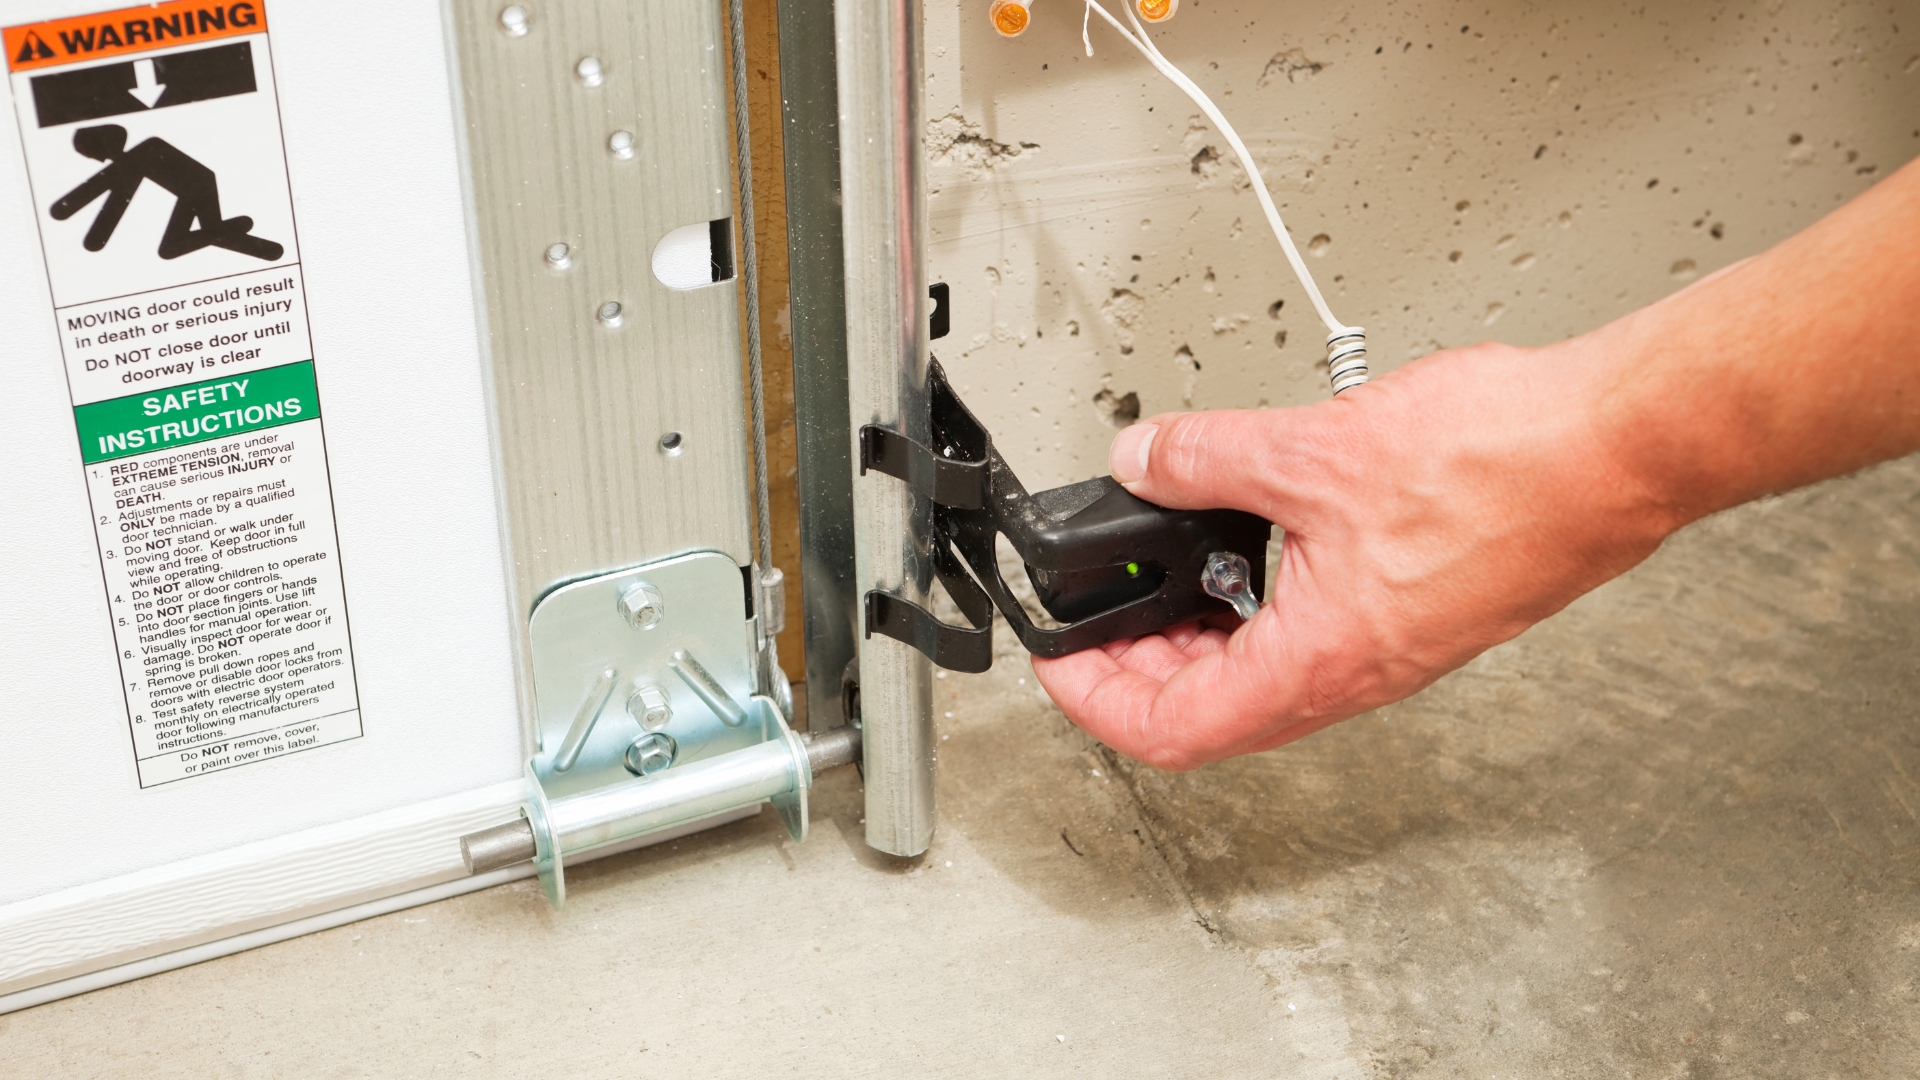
(159, 179)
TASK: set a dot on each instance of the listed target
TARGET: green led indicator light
(1133, 569)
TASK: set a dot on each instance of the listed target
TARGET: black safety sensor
(1104, 564)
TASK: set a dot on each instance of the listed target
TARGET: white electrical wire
(1174, 75)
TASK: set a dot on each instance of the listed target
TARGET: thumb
(1223, 458)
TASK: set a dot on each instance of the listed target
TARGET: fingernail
(1128, 458)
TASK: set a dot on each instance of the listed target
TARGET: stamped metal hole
(609, 313)
(695, 256)
(671, 444)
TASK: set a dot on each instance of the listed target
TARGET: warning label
(160, 188)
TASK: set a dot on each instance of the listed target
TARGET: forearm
(1460, 499)
(1797, 365)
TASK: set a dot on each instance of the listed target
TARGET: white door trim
(140, 924)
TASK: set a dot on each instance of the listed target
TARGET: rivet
(513, 20)
(559, 256)
(609, 313)
(588, 71)
(620, 144)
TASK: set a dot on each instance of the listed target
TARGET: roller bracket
(604, 774)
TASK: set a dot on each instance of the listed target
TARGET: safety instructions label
(159, 179)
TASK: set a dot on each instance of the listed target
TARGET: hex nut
(642, 606)
(651, 753)
(650, 707)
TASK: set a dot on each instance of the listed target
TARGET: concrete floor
(1673, 832)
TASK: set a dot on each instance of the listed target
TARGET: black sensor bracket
(1104, 563)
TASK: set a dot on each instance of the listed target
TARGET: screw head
(642, 606)
(650, 707)
(620, 144)
(589, 71)
(651, 753)
(513, 20)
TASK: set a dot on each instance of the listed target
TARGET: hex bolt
(620, 144)
(559, 256)
(513, 20)
(642, 606)
(651, 753)
(609, 313)
(650, 707)
(589, 71)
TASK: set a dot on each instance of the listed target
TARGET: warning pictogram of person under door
(158, 172)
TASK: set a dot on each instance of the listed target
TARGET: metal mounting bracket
(956, 648)
(646, 714)
(1105, 564)
(941, 478)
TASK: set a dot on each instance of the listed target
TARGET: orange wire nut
(1010, 17)
(1155, 11)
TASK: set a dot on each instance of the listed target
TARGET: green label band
(181, 415)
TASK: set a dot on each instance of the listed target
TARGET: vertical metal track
(810, 109)
(883, 196)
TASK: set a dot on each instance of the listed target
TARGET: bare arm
(1445, 508)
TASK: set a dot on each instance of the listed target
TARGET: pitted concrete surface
(1674, 831)
(1455, 171)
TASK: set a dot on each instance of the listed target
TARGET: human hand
(1429, 515)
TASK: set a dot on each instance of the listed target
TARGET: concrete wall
(1472, 171)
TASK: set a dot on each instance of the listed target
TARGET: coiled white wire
(1335, 328)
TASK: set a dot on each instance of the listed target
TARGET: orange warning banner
(129, 30)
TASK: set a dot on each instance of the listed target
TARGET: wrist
(1625, 480)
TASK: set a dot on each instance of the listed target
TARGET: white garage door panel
(367, 116)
